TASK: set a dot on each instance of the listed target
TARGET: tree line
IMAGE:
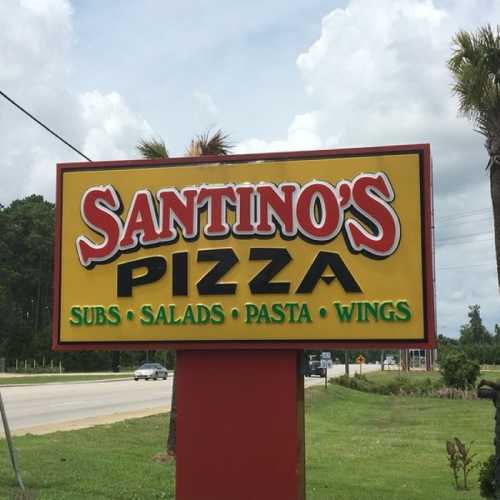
(26, 265)
(475, 341)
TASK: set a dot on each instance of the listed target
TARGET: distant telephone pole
(346, 360)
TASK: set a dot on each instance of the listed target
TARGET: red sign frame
(423, 150)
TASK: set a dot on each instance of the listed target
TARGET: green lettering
(383, 314)
(189, 316)
(344, 312)
(372, 310)
(304, 315)
(361, 312)
(88, 319)
(403, 307)
(172, 320)
(292, 308)
(217, 314)
(114, 315)
(161, 316)
(76, 316)
(147, 315)
(263, 315)
(100, 317)
(203, 314)
(251, 312)
(278, 315)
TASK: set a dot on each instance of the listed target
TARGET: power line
(43, 125)
(471, 213)
(465, 267)
(461, 236)
(468, 242)
(460, 221)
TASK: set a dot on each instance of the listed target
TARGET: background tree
(474, 336)
(475, 66)
(204, 144)
(27, 228)
(474, 332)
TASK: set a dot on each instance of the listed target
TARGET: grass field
(359, 447)
(47, 379)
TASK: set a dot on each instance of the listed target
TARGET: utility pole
(346, 361)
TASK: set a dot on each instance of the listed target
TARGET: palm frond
(204, 144)
(475, 67)
(152, 149)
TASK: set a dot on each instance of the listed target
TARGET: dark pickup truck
(314, 368)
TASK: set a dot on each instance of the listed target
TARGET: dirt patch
(163, 458)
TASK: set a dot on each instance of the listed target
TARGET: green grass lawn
(359, 446)
(46, 379)
(367, 446)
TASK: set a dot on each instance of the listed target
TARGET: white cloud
(302, 135)
(35, 56)
(112, 129)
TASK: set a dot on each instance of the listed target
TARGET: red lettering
(180, 208)
(244, 223)
(97, 211)
(278, 203)
(216, 198)
(318, 200)
(371, 195)
(141, 224)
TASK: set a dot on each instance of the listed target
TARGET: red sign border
(429, 340)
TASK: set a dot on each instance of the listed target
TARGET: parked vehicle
(313, 367)
(151, 370)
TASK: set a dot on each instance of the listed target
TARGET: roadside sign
(360, 359)
(326, 355)
(302, 250)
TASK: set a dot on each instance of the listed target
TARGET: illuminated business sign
(284, 250)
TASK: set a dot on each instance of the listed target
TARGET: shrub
(487, 478)
(458, 371)
(460, 460)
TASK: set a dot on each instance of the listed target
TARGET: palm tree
(152, 149)
(475, 66)
(203, 144)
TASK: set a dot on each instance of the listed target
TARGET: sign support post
(240, 425)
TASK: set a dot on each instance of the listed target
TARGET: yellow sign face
(306, 249)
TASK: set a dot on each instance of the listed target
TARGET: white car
(151, 370)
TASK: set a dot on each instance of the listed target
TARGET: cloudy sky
(277, 75)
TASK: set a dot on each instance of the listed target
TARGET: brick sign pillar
(240, 425)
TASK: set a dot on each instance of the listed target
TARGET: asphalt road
(44, 408)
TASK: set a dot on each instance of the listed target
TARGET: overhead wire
(18, 106)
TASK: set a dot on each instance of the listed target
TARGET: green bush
(458, 371)
(400, 385)
(487, 478)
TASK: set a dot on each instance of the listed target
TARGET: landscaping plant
(487, 478)
(458, 371)
(460, 460)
